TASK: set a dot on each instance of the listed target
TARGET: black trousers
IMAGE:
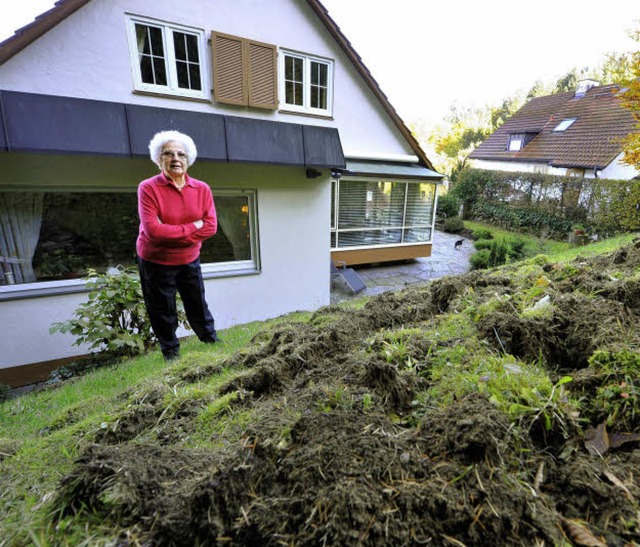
(159, 287)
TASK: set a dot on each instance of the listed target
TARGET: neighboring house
(574, 133)
(305, 155)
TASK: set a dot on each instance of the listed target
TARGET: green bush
(498, 253)
(482, 244)
(114, 319)
(483, 233)
(449, 205)
(479, 260)
(454, 225)
(516, 249)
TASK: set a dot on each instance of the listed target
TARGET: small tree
(114, 318)
(631, 99)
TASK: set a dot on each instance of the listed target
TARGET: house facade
(576, 133)
(305, 156)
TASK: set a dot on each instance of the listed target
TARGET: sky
(428, 55)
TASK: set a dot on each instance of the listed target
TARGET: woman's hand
(199, 224)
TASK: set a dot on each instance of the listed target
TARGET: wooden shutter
(262, 75)
(244, 72)
(229, 80)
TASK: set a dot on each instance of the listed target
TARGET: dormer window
(516, 142)
(564, 124)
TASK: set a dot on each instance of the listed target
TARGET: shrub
(479, 260)
(454, 225)
(482, 244)
(516, 249)
(483, 233)
(498, 252)
(114, 318)
(449, 205)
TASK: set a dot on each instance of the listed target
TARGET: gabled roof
(64, 8)
(593, 141)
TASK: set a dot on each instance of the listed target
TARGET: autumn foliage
(631, 99)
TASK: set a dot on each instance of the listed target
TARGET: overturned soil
(326, 438)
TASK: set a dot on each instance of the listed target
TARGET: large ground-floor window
(367, 213)
(55, 236)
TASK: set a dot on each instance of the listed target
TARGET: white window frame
(167, 29)
(336, 230)
(307, 60)
(516, 142)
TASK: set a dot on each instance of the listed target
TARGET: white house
(567, 134)
(304, 153)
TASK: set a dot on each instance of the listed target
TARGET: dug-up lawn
(498, 407)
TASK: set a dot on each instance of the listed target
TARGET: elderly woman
(177, 214)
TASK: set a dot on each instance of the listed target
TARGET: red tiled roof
(63, 8)
(593, 141)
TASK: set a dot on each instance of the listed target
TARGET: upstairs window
(306, 84)
(564, 124)
(166, 58)
(516, 142)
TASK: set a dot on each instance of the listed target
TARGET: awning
(32, 122)
(391, 170)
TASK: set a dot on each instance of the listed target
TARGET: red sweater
(167, 234)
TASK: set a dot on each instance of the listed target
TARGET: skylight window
(516, 142)
(564, 124)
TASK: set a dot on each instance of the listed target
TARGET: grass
(559, 251)
(41, 433)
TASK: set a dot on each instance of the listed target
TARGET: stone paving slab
(444, 260)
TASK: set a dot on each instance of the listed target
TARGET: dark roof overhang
(391, 170)
(66, 125)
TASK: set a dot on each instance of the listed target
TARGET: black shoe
(171, 355)
(211, 339)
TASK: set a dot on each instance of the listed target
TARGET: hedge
(539, 203)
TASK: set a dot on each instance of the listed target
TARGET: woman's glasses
(180, 155)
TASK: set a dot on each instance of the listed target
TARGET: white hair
(163, 137)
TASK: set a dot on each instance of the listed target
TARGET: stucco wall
(293, 216)
(616, 170)
(87, 56)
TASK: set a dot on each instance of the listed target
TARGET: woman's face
(173, 159)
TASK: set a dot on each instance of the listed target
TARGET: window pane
(371, 204)
(63, 234)
(194, 76)
(319, 74)
(417, 235)
(160, 72)
(81, 230)
(318, 97)
(369, 237)
(293, 84)
(233, 240)
(151, 55)
(180, 46)
(146, 70)
(187, 60)
(157, 44)
(143, 40)
(182, 71)
(192, 48)
(420, 199)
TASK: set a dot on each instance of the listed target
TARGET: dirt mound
(343, 447)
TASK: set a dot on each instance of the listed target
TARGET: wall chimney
(583, 86)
